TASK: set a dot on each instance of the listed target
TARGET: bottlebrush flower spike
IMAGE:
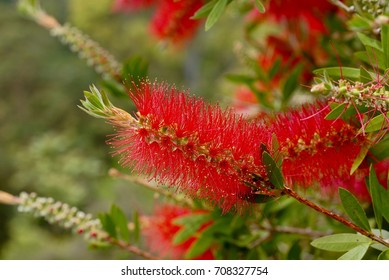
(181, 141)
(160, 229)
(316, 150)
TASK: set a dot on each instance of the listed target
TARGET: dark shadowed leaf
(353, 209)
(384, 255)
(375, 193)
(121, 222)
(191, 224)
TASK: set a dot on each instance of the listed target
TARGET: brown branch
(334, 216)
(131, 248)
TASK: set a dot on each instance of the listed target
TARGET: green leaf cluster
(116, 224)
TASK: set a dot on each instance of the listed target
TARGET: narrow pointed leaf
(199, 247)
(384, 255)
(356, 253)
(215, 13)
(377, 123)
(260, 6)
(336, 112)
(361, 156)
(342, 242)
(375, 193)
(353, 209)
(136, 230)
(204, 10)
(121, 222)
(385, 43)
(367, 41)
(273, 172)
(337, 72)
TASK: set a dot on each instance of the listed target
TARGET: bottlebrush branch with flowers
(328, 146)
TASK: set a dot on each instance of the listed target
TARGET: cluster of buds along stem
(372, 96)
(56, 212)
(373, 7)
(89, 50)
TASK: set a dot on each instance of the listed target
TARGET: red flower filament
(205, 151)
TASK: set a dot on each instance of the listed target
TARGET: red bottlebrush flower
(172, 19)
(160, 231)
(311, 12)
(315, 149)
(245, 103)
(205, 151)
(130, 5)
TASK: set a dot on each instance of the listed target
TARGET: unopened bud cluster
(97, 57)
(370, 95)
(56, 212)
(374, 7)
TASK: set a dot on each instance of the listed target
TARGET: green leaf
(377, 123)
(191, 224)
(241, 79)
(372, 56)
(136, 230)
(359, 159)
(215, 13)
(375, 193)
(204, 10)
(384, 255)
(385, 43)
(339, 72)
(273, 172)
(358, 23)
(356, 253)
(353, 209)
(291, 84)
(260, 6)
(336, 112)
(370, 42)
(381, 149)
(108, 224)
(121, 222)
(341, 242)
(365, 76)
(199, 247)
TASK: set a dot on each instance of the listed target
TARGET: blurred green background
(49, 146)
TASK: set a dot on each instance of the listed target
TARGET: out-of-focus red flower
(160, 230)
(131, 5)
(245, 103)
(291, 50)
(316, 150)
(172, 19)
(310, 12)
(181, 141)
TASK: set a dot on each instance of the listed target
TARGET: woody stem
(334, 216)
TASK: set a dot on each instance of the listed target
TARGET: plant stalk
(334, 216)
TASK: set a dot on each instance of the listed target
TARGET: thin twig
(343, 6)
(134, 179)
(334, 216)
(131, 248)
(296, 230)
